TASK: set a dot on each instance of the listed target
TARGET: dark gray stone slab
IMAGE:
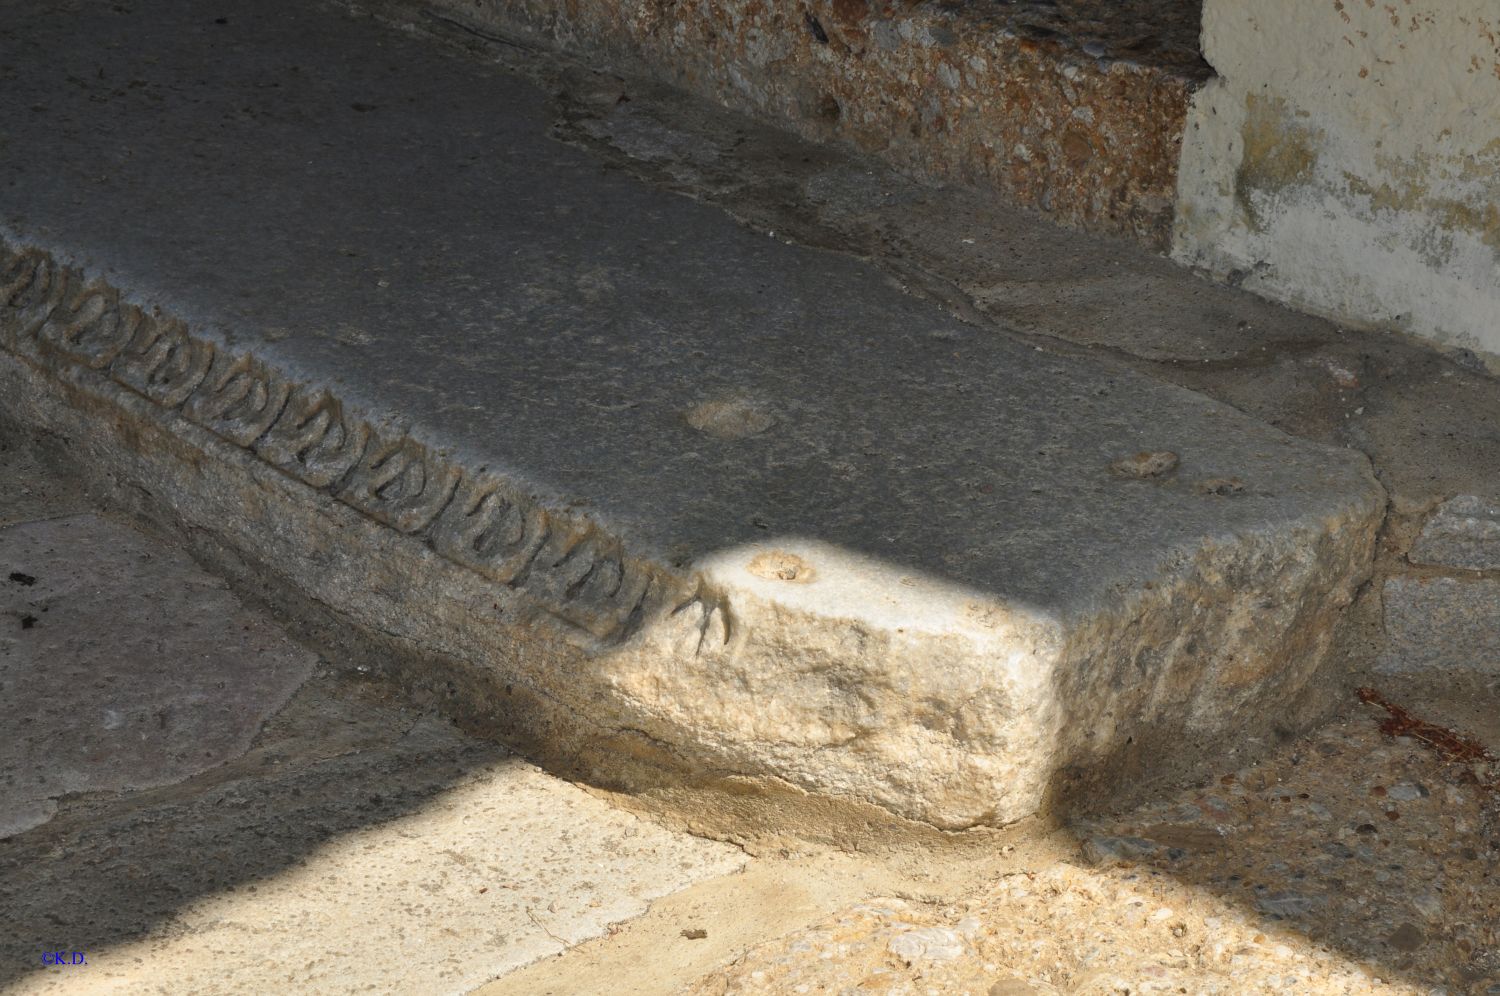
(123, 665)
(799, 523)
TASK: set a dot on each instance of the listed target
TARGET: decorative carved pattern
(567, 565)
(238, 399)
(18, 274)
(95, 329)
(490, 530)
(585, 574)
(615, 593)
(34, 287)
(401, 483)
(163, 362)
(313, 440)
(579, 572)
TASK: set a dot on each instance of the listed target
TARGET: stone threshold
(1074, 108)
(647, 486)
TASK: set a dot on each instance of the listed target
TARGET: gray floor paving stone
(123, 665)
(428, 863)
(1445, 627)
(339, 299)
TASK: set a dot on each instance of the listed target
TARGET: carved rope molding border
(54, 315)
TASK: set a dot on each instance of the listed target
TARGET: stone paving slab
(338, 300)
(1441, 626)
(420, 862)
(213, 837)
(123, 665)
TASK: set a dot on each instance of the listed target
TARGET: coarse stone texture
(1464, 532)
(27, 491)
(1346, 862)
(674, 490)
(1346, 160)
(358, 849)
(1443, 625)
(122, 665)
(1074, 107)
(1429, 420)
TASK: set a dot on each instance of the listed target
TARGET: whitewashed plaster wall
(1347, 161)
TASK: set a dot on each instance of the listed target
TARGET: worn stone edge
(55, 315)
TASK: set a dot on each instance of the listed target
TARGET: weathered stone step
(669, 488)
(1073, 107)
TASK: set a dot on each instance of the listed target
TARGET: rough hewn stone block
(340, 302)
(1464, 532)
(1442, 625)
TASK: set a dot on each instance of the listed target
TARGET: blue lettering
(64, 958)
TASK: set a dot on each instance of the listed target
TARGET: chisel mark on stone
(707, 610)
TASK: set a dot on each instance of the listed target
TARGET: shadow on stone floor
(111, 869)
(1383, 848)
(1345, 861)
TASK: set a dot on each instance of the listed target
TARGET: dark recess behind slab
(1074, 108)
